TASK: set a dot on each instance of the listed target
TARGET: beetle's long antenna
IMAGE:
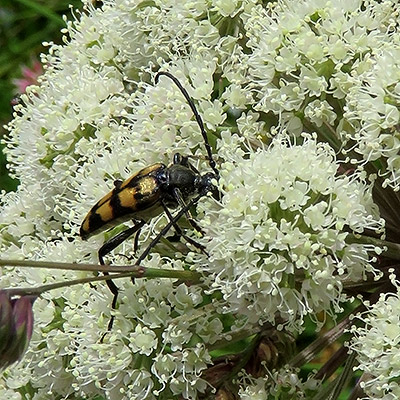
(196, 114)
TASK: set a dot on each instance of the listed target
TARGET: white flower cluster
(283, 384)
(276, 239)
(377, 345)
(148, 354)
(154, 351)
(89, 122)
(312, 60)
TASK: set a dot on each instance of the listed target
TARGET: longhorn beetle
(148, 193)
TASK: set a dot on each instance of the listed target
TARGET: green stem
(67, 266)
(324, 340)
(390, 250)
(45, 288)
(126, 271)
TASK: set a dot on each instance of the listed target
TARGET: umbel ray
(146, 194)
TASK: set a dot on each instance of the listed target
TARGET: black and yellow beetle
(148, 193)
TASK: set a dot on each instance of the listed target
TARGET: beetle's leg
(179, 198)
(115, 241)
(107, 247)
(179, 230)
(167, 227)
(136, 241)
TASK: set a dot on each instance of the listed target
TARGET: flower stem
(125, 271)
(389, 249)
(68, 266)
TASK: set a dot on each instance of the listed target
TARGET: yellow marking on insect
(106, 212)
(135, 195)
(126, 197)
(103, 200)
(146, 186)
(142, 173)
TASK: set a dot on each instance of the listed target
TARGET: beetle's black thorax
(177, 177)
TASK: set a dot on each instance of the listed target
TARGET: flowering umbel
(16, 326)
(287, 220)
(300, 102)
(377, 345)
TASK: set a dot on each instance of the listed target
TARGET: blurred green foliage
(24, 25)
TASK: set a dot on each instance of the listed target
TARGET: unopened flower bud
(16, 325)
(5, 320)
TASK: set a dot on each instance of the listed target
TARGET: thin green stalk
(67, 266)
(344, 378)
(45, 288)
(311, 351)
(126, 271)
(334, 388)
(390, 250)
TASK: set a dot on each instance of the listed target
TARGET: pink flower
(29, 76)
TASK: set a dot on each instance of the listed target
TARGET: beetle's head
(204, 184)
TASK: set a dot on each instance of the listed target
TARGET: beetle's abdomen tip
(86, 228)
(83, 234)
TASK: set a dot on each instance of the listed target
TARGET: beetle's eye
(162, 177)
(177, 158)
